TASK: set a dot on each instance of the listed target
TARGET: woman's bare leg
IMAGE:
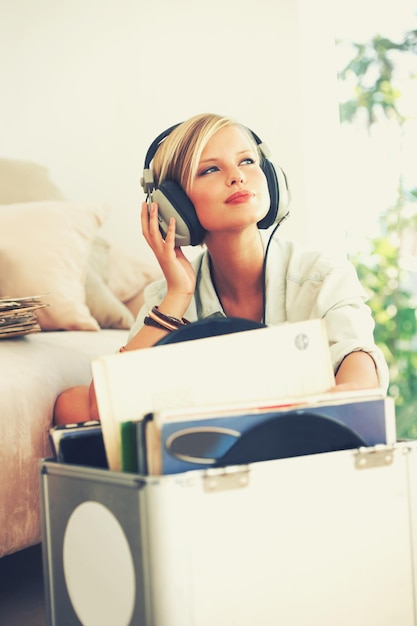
(73, 406)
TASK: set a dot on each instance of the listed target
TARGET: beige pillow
(25, 181)
(104, 306)
(125, 273)
(44, 249)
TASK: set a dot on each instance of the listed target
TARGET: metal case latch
(223, 481)
(374, 456)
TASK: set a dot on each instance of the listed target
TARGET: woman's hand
(177, 269)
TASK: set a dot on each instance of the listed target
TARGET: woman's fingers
(170, 236)
(150, 219)
(144, 218)
(152, 234)
(177, 269)
(150, 226)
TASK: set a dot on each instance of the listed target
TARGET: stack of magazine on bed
(18, 316)
(231, 399)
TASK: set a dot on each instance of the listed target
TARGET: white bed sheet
(34, 370)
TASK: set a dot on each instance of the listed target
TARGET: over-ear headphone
(174, 202)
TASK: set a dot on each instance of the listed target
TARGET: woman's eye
(215, 168)
(209, 170)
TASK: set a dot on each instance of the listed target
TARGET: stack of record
(18, 316)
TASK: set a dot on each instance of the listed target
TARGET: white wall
(88, 84)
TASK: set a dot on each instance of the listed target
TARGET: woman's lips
(239, 197)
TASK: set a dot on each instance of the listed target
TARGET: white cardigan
(301, 285)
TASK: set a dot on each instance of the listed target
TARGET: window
(377, 65)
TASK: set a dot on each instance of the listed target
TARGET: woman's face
(229, 191)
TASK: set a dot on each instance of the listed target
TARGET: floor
(21, 589)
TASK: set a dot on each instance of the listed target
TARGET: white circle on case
(98, 567)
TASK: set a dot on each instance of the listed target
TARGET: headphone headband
(156, 143)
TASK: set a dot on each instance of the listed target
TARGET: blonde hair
(178, 155)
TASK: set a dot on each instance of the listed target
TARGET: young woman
(219, 167)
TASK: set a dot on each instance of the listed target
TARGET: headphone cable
(271, 236)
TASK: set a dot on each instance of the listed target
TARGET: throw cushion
(125, 274)
(25, 181)
(104, 306)
(44, 250)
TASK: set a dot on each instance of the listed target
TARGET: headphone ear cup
(174, 202)
(278, 192)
